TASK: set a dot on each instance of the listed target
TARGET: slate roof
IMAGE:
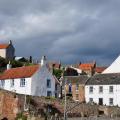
(76, 79)
(20, 72)
(104, 79)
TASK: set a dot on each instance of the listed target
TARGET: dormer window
(22, 82)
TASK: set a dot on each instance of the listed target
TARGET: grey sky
(66, 30)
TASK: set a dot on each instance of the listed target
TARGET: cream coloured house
(7, 50)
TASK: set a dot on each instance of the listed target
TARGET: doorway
(100, 101)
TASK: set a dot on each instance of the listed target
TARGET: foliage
(57, 73)
(3, 62)
(21, 116)
(14, 63)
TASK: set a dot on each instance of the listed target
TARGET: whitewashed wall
(39, 82)
(36, 85)
(3, 53)
(17, 88)
(105, 95)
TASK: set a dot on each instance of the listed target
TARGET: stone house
(34, 80)
(7, 50)
(75, 85)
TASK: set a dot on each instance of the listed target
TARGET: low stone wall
(10, 104)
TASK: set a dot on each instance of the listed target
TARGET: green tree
(57, 73)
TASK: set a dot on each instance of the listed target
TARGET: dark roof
(104, 79)
(76, 79)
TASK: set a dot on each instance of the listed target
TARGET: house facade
(34, 80)
(103, 89)
(7, 50)
(75, 86)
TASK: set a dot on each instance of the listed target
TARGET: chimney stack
(43, 60)
(9, 66)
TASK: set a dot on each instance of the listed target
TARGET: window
(110, 89)
(12, 83)
(77, 86)
(49, 93)
(100, 89)
(110, 101)
(70, 88)
(77, 96)
(91, 89)
(90, 99)
(48, 83)
(22, 82)
(2, 83)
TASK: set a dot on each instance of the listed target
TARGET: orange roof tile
(20, 72)
(86, 66)
(100, 69)
(3, 46)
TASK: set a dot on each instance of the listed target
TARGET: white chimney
(9, 66)
(43, 60)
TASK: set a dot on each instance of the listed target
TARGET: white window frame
(111, 101)
(111, 89)
(90, 99)
(49, 83)
(2, 83)
(91, 89)
(12, 83)
(100, 90)
(22, 82)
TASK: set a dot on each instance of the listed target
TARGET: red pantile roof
(3, 46)
(100, 69)
(20, 72)
(86, 66)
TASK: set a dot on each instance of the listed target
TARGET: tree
(57, 73)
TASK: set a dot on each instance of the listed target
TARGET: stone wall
(10, 104)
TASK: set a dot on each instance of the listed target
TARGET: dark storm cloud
(66, 30)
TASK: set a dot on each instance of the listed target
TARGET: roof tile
(3, 46)
(20, 72)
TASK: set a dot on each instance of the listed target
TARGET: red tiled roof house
(34, 80)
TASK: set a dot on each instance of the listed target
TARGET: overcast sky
(66, 30)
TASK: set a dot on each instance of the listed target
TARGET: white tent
(114, 67)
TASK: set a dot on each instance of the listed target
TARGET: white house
(33, 80)
(114, 67)
(103, 89)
